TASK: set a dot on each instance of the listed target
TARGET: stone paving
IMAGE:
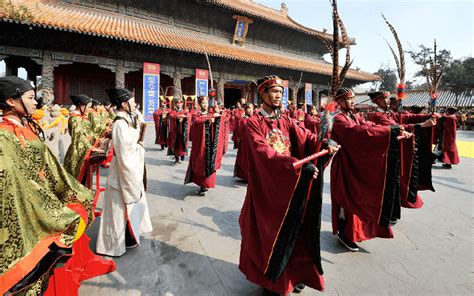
(194, 247)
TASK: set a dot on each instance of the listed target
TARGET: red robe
(312, 123)
(280, 217)
(298, 114)
(241, 168)
(225, 121)
(447, 138)
(409, 179)
(360, 180)
(206, 151)
(236, 114)
(179, 133)
(161, 126)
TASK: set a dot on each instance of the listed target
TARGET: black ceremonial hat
(79, 100)
(12, 86)
(118, 95)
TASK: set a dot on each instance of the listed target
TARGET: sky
(416, 22)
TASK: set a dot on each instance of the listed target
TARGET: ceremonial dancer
(415, 151)
(125, 213)
(207, 148)
(240, 138)
(280, 218)
(43, 208)
(446, 140)
(179, 126)
(83, 137)
(160, 116)
(312, 120)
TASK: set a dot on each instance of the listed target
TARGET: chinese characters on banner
(240, 29)
(285, 97)
(151, 89)
(308, 93)
(202, 78)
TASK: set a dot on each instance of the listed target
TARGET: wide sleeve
(130, 158)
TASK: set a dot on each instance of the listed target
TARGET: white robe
(124, 200)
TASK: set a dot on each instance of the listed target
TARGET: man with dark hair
(83, 137)
(179, 125)
(241, 141)
(414, 150)
(125, 213)
(312, 120)
(43, 208)
(160, 116)
(363, 207)
(280, 218)
(446, 140)
(207, 148)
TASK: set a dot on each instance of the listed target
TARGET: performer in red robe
(179, 124)
(413, 151)
(312, 120)
(225, 126)
(237, 114)
(280, 218)
(364, 193)
(160, 116)
(241, 169)
(447, 138)
(299, 113)
(207, 148)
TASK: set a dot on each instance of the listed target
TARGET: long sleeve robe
(241, 168)
(83, 138)
(364, 178)
(125, 214)
(43, 210)
(179, 133)
(206, 151)
(447, 139)
(413, 154)
(161, 126)
(280, 217)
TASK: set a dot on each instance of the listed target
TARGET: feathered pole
(433, 77)
(400, 62)
(212, 91)
(337, 78)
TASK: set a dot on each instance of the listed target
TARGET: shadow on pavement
(157, 268)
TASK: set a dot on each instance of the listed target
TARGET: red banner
(151, 68)
(202, 74)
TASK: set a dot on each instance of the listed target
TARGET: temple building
(86, 46)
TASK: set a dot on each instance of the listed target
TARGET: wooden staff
(299, 163)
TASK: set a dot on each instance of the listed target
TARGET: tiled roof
(422, 98)
(122, 27)
(251, 8)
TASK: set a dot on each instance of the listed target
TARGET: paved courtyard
(194, 247)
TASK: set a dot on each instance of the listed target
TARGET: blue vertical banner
(286, 94)
(240, 28)
(202, 78)
(151, 89)
(308, 93)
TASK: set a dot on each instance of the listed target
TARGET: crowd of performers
(389, 151)
(46, 207)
